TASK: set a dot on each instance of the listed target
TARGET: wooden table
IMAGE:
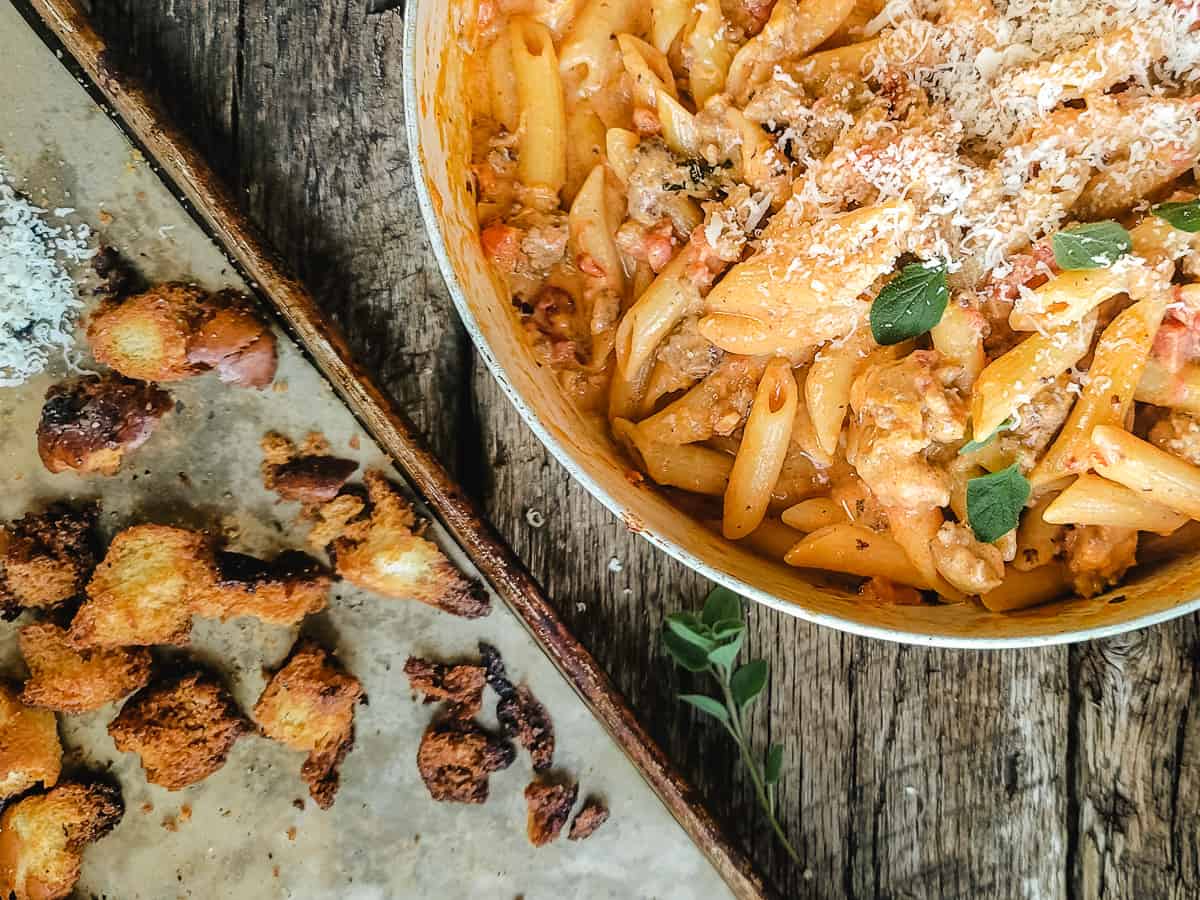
(1063, 772)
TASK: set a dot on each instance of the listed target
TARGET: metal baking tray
(74, 134)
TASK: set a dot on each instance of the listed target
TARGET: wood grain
(909, 772)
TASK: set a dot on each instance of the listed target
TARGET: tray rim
(206, 199)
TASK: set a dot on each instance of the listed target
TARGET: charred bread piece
(232, 340)
(42, 838)
(591, 816)
(142, 591)
(549, 808)
(307, 477)
(282, 591)
(381, 552)
(48, 556)
(456, 757)
(68, 680)
(182, 729)
(460, 686)
(521, 714)
(29, 749)
(146, 336)
(309, 705)
(89, 423)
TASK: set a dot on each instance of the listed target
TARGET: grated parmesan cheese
(38, 301)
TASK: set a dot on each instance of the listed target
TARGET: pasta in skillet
(906, 291)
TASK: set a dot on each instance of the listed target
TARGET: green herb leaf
(688, 628)
(727, 653)
(748, 682)
(708, 705)
(689, 656)
(727, 628)
(1095, 245)
(975, 444)
(910, 304)
(994, 503)
(774, 764)
(721, 603)
(1182, 215)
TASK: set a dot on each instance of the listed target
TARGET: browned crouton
(282, 591)
(76, 681)
(549, 808)
(42, 838)
(461, 686)
(182, 729)
(48, 556)
(591, 816)
(521, 714)
(146, 336)
(384, 554)
(306, 477)
(235, 342)
(88, 424)
(309, 705)
(456, 757)
(141, 593)
(29, 747)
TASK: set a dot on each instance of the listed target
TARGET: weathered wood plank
(1137, 773)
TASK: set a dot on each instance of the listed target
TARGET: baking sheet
(383, 837)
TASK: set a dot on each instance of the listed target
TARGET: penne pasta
(1038, 540)
(1179, 390)
(855, 550)
(648, 68)
(914, 530)
(668, 18)
(590, 55)
(586, 139)
(542, 159)
(506, 105)
(764, 445)
(678, 125)
(1021, 590)
(1070, 296)
(1092, 500)
(707, 53)
(1143, 468)
(827, 387)
(1107, 398)
(653, 315)
(591, 234)
(959, 338)
(813, 514)
(689, 467)
(693, 416)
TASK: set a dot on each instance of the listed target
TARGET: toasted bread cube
(591, 816)
(282, 591)
(42, 838)
(141, 593)
(460, 686)
(146, 336)
(68, 680)
(48, 556)
(549, 808)
(88, 424)
(29, 747)
(456, 757)
(234, 341)
(309, 705)
(383, 554)
(182, 729)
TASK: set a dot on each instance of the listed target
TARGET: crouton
(333, 518)
(42, 838)
(305, 477)
(146, 336)
(88, 424)
(48, 556)
(67, 680)
(235, 342)
(282, 591)
(309, 705)
(183, 729)
(456, 757)
(520, 713)
(461, 686)
(591, 816)
(382, 553)
(141, 593)
(29, 747)
(549, 808)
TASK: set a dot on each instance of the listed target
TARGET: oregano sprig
(710, 643)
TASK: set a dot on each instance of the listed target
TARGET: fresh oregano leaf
(727, 653)
(690, 631)
(774, 764)
(910, 304)
(721, 603)
(976, 444)
(727, 628)
(1182, 215)
(708, 705)
(1095, 245)
(689, 656)
(994, 503)
(748, 682)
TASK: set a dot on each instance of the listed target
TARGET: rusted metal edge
(211, 204)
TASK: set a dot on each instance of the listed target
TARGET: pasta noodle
(543, 153)
(1152, 473)
(1092, 500)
